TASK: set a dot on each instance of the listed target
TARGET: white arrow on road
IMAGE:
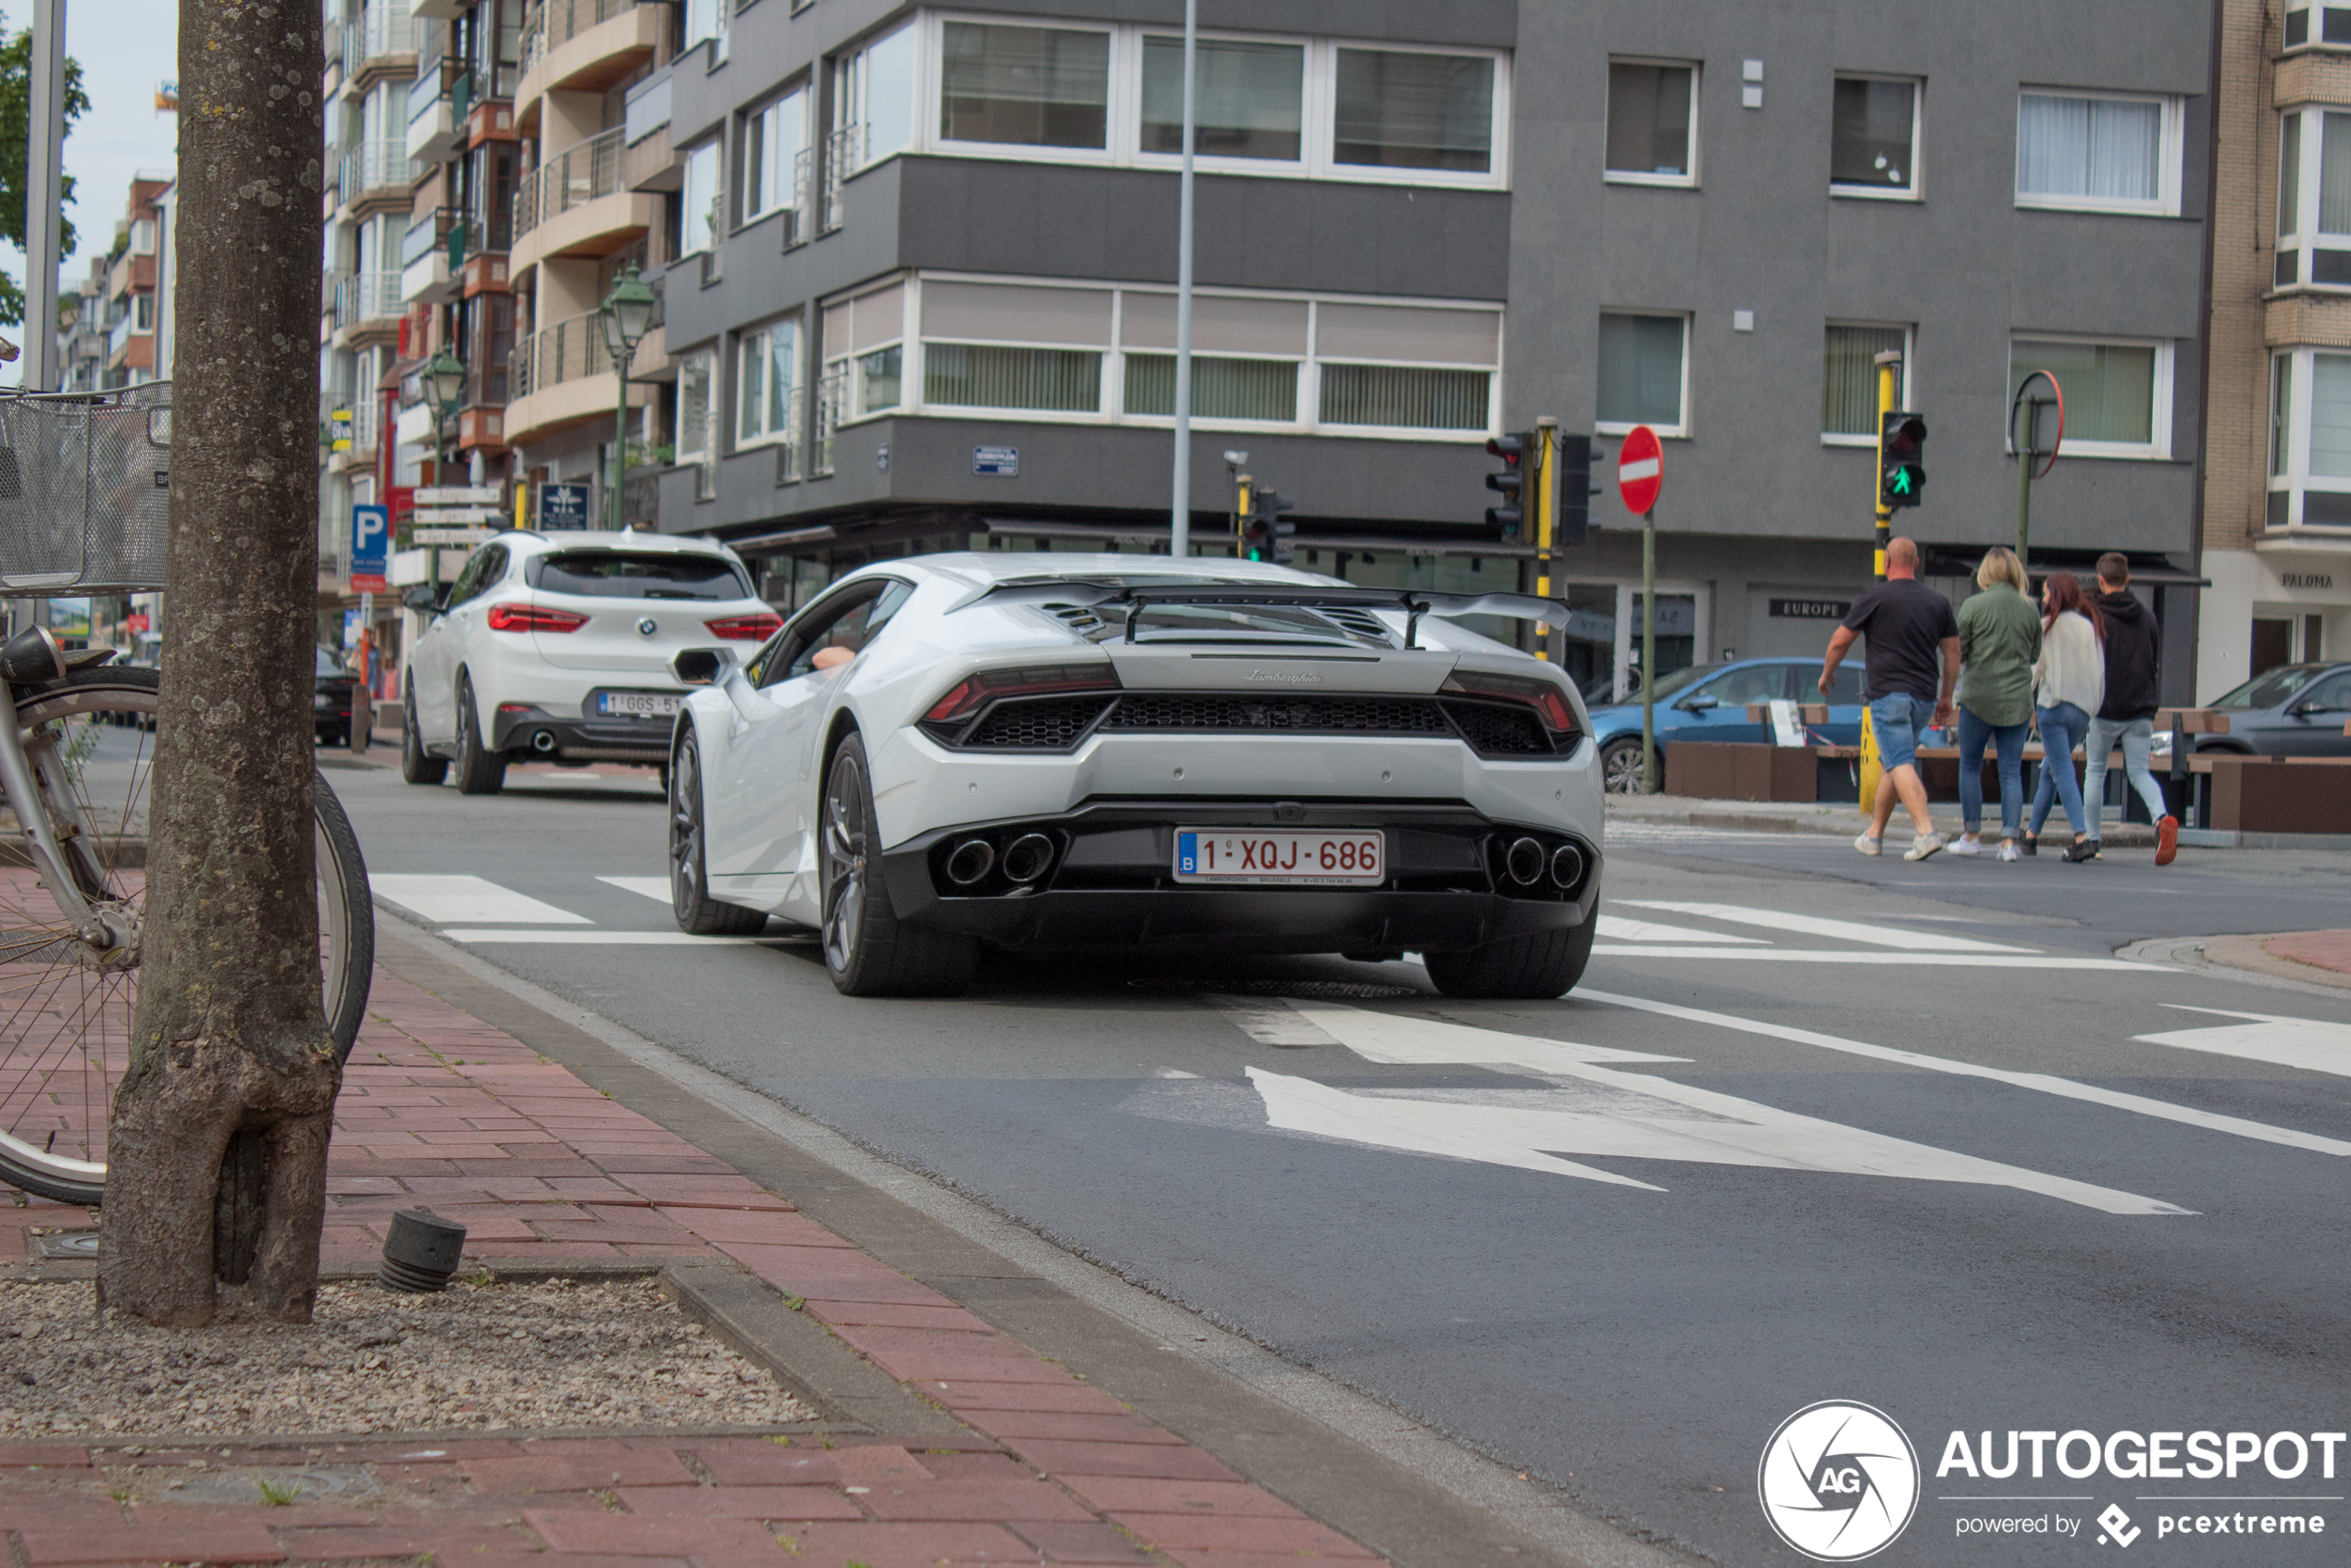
(2314, 1044)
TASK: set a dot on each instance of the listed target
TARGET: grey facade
(1751, 249)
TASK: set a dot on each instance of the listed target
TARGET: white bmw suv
(557, 647)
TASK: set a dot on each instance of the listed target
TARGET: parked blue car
(1708, 703)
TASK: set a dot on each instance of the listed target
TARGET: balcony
(367, 304)
(584, 46)
(119, 340)
(577, 203)
(382, 41)
(438, 10)
(562, 375)
(432, 253)
(379, 171)
(433, 118)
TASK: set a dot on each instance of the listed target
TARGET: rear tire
(1544, 964)
(417, 765)
(480, 771)
(868, 952)
(698, 914)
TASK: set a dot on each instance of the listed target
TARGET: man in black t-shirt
(1913, 668)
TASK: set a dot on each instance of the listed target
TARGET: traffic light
(1576, 489)
(1902, 455)
(1265, 532)
(1510, 480)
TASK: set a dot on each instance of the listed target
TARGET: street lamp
(627, 315)
(443, 379)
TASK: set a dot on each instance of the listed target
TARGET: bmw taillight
(1030, 681)
(745, 629)
(533, 617)
(1549, 701)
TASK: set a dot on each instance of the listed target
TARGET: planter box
(1716, 771)
(2263, 795)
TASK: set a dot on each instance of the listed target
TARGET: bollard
(421, 1252)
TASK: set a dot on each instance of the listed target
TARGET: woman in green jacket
(1999, 638)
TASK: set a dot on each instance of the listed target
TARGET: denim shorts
(1896, 721)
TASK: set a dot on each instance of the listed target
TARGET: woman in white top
(2069, 685)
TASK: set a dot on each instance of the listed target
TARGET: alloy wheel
(844, 839)
(685, 832)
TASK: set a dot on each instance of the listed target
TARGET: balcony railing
(788, 450)
(366, 296)
(379, 31)
(840, 158)
(832, 387)
(443, 227)
(572, 178)
(425, 92)
(565, 352)
(559, 22)
(380, 165)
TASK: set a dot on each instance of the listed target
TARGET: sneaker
(2032, 844)
(1868, 845)
(1922, 846)
(2167, 840)
(2008, 850)
(1968, 845)
(2087, 849)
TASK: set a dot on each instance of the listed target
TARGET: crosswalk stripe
(1619, 928)
(446, 900)
(1816, 926)
(654, 887)
(2162, 1109)
(1907, 960)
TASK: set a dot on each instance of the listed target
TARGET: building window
(1396, 110)
(1014, 347)
(697, 200)
(2314, 199)
(2307, 22)
(1873, 139)
(1248, 355)
(1848, 380)
(2097, 152)
(2311, 438)
(1652, 126)
(766, 383)
(864, 352)
(698, 421)
(142, 236)
(2117, 395)
(2280, 414)
(1023, 86)
(1248, 101)
(772, 164)
(1223, 387)
(1643, 361)
(874, 100)
(1405, 367)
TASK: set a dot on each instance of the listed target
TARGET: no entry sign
(1640, 469)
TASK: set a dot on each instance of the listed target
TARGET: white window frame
(707, 437)
(2168, 169)
(852, 71)
(783, 182)
(1916, 190)
(1901, 394)
(2159, 445)
(717, 147)
(1622, 427)
(2298, 480)
(2313, 38)
(745, 341)
(848, 365)
(1319, 107)
(2308, 122)
(1634, 176)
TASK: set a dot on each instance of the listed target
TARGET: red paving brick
(600, 1529)
(613, 1466)
(801, 1502)
(1092, 1544)
(903, 1546)
(244, 1542)
(991, 1501)
(1216, 1532)
(2320, 949)
(1152, 1460)
(1132, 1494)
(1071, 1428)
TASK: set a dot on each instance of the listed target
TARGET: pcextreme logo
(1838, 1481)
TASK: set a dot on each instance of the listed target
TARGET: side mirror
(424, 597)
(1698, 704)
(701, 667)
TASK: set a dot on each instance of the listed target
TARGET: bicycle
(74, 771)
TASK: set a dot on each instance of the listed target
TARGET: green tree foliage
(16, 115)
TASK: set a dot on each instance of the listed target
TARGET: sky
(125, 48)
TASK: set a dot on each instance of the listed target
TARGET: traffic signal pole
(1546, 432)
(1887, 365)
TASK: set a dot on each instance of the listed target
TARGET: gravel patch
(547, 1353)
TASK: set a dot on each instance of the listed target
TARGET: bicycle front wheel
(66, 1007)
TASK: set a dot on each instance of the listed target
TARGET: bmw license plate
(1340, 858)
(638, 704)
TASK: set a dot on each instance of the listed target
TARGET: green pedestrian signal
(1902, 460)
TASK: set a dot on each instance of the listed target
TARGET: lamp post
(627, 315)
(443, 379)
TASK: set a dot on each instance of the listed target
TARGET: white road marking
(1815, 925)
(2314, 1044)
(1625, 930)
(448, 900)
(1657, 1125)
(1267, 1022)
(1906, 960)
(654, 887)
(2162, 1109)
(1173, 1073)
(612, 938)
(1432, 1039)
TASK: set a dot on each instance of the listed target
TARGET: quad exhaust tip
(1029, 857)
(1567, 865)
(1524, 861)
(972, 860)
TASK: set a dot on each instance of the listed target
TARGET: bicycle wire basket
(84, 491)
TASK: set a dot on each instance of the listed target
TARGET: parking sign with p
(370, 548)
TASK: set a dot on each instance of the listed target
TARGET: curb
(2242, 958)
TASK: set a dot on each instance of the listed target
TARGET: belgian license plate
(638, 704)
(1342, 857)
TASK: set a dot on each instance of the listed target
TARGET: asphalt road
(1815, 1128)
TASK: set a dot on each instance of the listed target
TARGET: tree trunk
(216, 1153)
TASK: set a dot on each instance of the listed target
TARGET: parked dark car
(1708, 703)
(331, 708)
(2293, 711)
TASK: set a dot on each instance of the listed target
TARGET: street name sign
(482, 515)
(459, 495)
(448, 536)
(1640, 469)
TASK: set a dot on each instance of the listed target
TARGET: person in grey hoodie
(2133, 673)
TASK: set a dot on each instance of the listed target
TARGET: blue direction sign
(370, 548)
(560, 507)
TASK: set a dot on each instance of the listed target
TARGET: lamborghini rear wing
(1412, 603)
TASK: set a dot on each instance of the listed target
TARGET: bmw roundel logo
(1838, 1481)
(647, 626)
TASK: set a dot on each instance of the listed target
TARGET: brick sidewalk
(2322, 950)
(439, 1109)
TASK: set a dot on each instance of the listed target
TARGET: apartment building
(917, 273)
(2277, 479)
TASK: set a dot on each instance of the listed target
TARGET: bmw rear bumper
(574, 739)
(1111, 884)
